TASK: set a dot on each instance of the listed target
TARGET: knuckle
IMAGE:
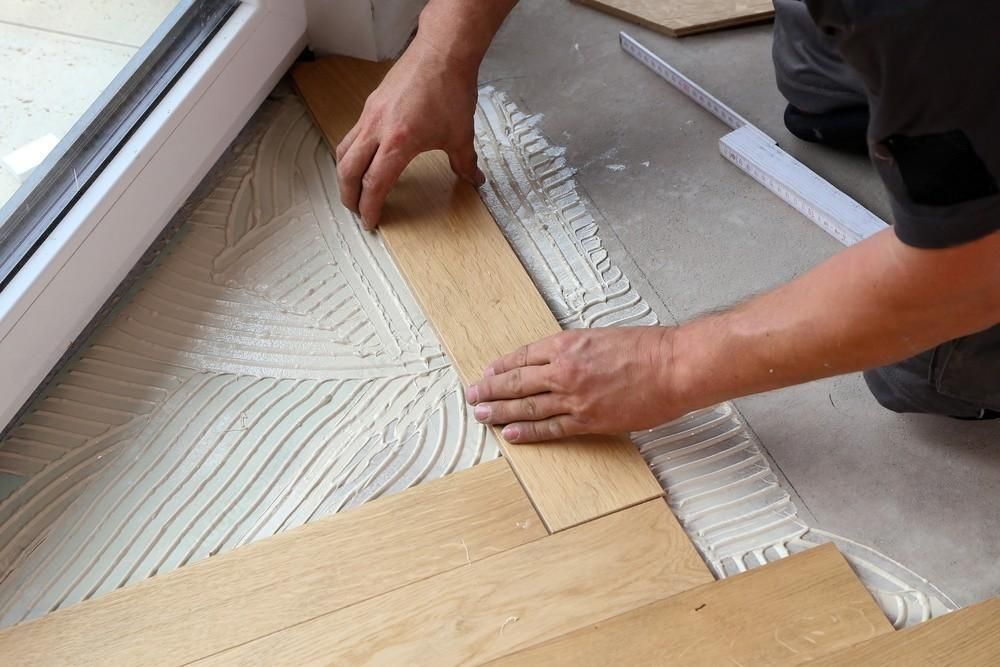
(531, 407)
(347, 171)
(516, 381)
(522, 355)
(485, 389)
(499, 413)
(373, 107)
(399, 137)
(370, 181)
(559, 344)
(565, 346)
(583, 408)
(555, 429)
(569, 374)
(347, 191)
(559, 377)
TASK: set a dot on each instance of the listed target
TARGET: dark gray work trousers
(960, 378)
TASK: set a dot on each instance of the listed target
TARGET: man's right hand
(427, 101)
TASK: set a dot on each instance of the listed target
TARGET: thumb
(465, 164)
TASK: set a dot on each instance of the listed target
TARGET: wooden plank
(496, 606)
(969, 636)
(785, 613)
(266, 586)
(685, 17)
(480, 300)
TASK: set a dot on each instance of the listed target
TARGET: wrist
(673, 372)
(449, 39)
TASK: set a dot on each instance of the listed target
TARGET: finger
(352, 168)
(517, 383)
(532, 354)
(529, 409)
(382, 174)
(345, 143)
(465, 164)
(554, 428)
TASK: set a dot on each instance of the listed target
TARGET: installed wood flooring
(291, 578)
(799, 608)
(488, 609)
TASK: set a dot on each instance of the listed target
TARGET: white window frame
(77, 268)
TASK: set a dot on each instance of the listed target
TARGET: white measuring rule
(814, 197)
(705, 99)
(762, 159)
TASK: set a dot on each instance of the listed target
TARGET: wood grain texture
(480, 300)
(785, 613)
(326, 565)
(969, 636)
(685, 17)
(496, 606)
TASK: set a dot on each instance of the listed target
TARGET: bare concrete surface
(701, 235)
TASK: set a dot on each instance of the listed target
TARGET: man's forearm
(462, 29)
(876, 303)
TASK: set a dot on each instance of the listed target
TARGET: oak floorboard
(325, 565)
(785, 613)
(969, 636)
(495, 606)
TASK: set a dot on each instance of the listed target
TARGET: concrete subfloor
(701, 235)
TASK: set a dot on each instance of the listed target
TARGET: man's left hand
(611, 380)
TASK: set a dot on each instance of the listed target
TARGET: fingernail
(472, 395)
(510, 433)
(482, 412)
(489, 372)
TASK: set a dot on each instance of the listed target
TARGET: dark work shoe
(844, 129)
(984, 415)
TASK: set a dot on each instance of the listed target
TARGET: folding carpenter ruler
(760, 157)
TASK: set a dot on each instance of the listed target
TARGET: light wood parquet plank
(492, 607)
(480, 300)
(685, 17)
(785, 613)
(326, 565)
(969, 636)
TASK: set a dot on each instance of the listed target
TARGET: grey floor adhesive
(272, 367)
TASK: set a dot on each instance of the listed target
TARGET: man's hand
(597, 381)
(426, 102)
(875, 303)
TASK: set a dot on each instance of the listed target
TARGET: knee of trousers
(907, 387)
(886, 393)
